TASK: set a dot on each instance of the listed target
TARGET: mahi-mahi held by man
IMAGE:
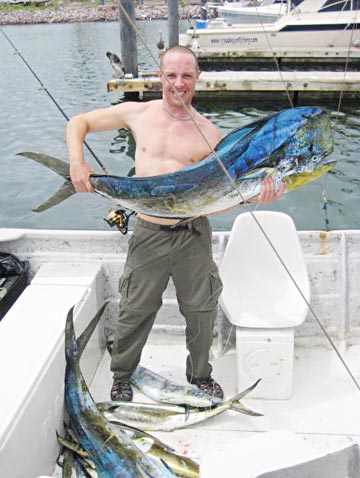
(292, 146)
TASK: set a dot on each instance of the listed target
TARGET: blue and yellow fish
(292, 146)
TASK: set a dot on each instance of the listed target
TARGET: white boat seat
(279, 454)
(32, 361)
(261, 299)
(258, 291)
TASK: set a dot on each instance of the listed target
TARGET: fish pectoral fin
(259, 173)
(64, 192)
(56, 165)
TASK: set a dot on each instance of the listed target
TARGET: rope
(43, 87)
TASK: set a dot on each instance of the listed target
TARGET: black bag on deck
(13, 280)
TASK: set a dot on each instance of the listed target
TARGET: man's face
(182, 73)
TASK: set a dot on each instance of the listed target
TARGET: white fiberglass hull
(235, 14)
(294, 31)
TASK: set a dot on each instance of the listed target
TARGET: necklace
(187, 118)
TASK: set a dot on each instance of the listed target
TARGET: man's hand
(268, 193)
(79, 173)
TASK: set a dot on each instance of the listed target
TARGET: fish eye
(315, 158)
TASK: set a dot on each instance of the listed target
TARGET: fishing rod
(232, 182)
(43, 87)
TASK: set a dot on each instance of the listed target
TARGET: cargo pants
(156, 253)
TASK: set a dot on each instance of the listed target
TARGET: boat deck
(324, 409)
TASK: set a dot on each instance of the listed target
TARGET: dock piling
(173, 13)
(128, 38)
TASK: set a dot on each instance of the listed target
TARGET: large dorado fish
(112, 451)
(291, 146)
(149, 416)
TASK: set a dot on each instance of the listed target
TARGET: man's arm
(115, 117)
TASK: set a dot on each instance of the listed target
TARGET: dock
(327, 58)
(327, 82)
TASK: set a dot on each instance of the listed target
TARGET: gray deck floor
(324, 409)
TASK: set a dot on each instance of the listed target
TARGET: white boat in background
(327, 26)
(252, 12)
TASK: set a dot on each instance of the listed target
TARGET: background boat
(332, 30)
(251, 12)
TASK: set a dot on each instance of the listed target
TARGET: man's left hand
(268, 193)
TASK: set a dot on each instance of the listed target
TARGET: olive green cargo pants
(156, 253)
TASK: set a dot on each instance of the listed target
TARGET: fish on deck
(292, 146)
(164, 390)
(114, 454)
(98, 441)
(148, 416)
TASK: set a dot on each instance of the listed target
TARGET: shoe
(209, 386)
(121, 390)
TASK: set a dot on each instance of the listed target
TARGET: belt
(169, 228)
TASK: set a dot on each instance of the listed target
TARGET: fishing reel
(119, 218)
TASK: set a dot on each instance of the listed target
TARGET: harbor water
(70, 60)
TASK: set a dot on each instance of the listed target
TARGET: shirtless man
(166, 140)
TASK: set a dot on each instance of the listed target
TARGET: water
(70, 60)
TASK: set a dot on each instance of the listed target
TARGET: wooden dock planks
(232, 81)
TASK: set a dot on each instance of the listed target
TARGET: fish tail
(239, 407)
(71, 345)
(59, 167)
(85, 336)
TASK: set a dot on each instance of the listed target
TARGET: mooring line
(232, 182)
(43, 87)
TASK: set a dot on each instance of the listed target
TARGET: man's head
(178, 74)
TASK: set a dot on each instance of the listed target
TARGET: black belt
(188, 226)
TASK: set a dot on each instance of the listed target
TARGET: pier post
(173, 9)
(128, 38)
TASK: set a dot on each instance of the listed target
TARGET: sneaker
(121, 390)
(208, 386)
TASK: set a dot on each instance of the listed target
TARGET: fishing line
(232, 182)
(275, 59)
(325, 203)
(346, 64)
(43, 87)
